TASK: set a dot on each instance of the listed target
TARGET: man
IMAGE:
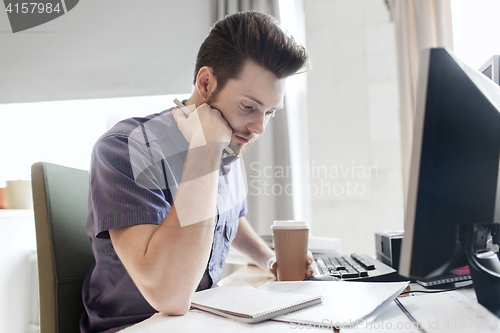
(166, 200)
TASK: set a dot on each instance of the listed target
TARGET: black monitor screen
(455, 162)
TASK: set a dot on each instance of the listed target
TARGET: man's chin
(239, 148)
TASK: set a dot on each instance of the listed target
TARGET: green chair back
(64, 250)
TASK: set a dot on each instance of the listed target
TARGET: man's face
(248, 102)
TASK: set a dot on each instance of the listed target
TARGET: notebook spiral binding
(265, 315)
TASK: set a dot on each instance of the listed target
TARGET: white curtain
(420, 24)
(271, 180)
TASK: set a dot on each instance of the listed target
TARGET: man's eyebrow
(261, 103)
(255, 100)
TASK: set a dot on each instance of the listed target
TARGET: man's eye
(271, 113)
(247, 107)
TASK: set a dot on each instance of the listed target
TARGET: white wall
(103, 49)
(18, 292)
(354, 132)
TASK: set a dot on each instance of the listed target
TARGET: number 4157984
(32, 7)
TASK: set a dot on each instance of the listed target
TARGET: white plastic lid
(290, 224)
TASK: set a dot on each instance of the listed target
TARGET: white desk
(478, 319)
(198, 321)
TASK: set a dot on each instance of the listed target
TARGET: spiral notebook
(241, 302)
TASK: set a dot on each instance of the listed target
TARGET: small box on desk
(388, 247)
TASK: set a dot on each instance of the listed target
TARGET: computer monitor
(491, 68)
(453, 200)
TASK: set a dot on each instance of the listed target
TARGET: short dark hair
(249, 36)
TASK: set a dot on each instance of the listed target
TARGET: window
(63, 132)
(475, 30)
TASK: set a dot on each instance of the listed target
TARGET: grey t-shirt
(135, 173)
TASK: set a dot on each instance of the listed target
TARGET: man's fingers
(178, 115)
(271, 265)
(191, 107)
(309, 261)
(309, 257)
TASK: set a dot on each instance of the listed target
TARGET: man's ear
(205, 81)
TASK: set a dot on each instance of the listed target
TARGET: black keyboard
(355, 267)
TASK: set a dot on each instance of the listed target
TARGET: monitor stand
(485, 272)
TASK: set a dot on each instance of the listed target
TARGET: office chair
(64, 250)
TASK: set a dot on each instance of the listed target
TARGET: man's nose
(257, 124)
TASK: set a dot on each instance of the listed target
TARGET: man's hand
(204, 126)
(272, 265)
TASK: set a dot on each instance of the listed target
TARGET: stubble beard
(210, 100)
(245, 146)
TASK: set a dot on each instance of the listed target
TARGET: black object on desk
(388, 247)
(354, 267)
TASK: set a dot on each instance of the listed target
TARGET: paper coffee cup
(290, 245)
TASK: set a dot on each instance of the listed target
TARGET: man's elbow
(175, 311)
(172, 303)
(175, 308)
(166, 295)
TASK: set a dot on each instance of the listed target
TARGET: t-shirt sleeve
(244, 209)
(118, 199)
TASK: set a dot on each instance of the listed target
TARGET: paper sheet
(443, 312)
(344, 303)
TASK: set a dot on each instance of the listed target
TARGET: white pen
(183, 108)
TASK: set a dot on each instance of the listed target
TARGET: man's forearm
(196, 199)
(248, 242)
(154, 256)
(195, 213)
